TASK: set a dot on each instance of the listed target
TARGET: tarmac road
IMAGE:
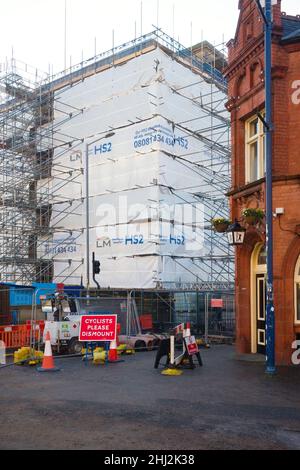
(227, 404)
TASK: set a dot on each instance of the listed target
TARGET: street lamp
(236, 234)
(270, 311)
(87, 203)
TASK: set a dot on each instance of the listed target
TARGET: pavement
(227, 404)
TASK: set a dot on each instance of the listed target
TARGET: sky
(33, 31)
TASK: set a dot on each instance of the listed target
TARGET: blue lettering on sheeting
(139, 143)
(60, 250)
(134, 240)
(158, 133)
(103, 148)
(178, 240)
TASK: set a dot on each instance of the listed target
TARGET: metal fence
(210, 313)
(219, 317)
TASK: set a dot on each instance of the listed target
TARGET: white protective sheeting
(146, 166)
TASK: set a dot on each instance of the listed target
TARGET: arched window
(262, 256)
(297, 292)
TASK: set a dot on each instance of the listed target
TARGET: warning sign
(98, 328)
(191, 345)
(217, 303)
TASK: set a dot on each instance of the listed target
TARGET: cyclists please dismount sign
(98, 328)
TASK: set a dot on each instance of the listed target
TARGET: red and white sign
(217, 303)
(98, 328)
(191, 345)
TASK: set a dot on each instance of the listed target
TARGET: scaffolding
(27, 194)
(33, 206)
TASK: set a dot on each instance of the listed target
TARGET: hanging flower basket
(221, 225)
(253, 216)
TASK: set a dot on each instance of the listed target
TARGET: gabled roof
(291, 28)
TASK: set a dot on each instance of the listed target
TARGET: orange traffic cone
(113, 352)
(48, 362)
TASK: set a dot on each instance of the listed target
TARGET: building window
(255, 150)
(262, 257)
(297, 292)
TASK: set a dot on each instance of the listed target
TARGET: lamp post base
(271, 371)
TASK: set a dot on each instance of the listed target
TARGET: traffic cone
(113, 352)
(48, 362)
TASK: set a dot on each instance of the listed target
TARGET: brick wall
(245, 74)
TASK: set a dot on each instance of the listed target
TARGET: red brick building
(245, 74)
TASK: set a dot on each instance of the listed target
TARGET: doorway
(258, 300)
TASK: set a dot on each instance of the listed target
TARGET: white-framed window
(297, 292)
(261, 337)
(255, 149)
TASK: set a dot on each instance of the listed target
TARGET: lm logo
(104, 242)
(76, 156)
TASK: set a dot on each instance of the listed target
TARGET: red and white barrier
(17, 336)
(185, 329)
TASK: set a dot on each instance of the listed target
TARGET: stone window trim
(254, 149)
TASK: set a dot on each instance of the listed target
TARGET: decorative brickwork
(245, 74)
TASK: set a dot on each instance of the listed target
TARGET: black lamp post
(266, 14)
